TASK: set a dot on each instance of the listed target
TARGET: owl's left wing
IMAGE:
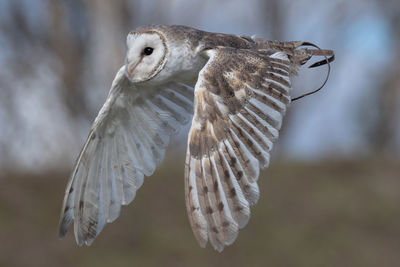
(240, 99)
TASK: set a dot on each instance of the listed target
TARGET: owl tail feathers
(298, 55)
(328, 55)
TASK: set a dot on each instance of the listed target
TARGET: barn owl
(236, 90)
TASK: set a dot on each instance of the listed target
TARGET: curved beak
(130, 68)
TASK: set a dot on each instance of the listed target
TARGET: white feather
(125, 144)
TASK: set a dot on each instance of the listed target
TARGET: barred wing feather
(240, 99)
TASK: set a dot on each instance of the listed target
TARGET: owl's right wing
(126, 142)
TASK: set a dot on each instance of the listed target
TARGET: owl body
(236, 87)
(184, 58)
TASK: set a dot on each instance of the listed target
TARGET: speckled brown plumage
(234, 126)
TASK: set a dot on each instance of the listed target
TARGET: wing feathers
(269, 132)
(241, 97)
(239, 206)
(116, 201)
(126, 143)
(177, 99)
(265, 98)
(185, 91)
(174, 110)
(241, 155)
(196, 217)
(130, 178)
(168, 123)
(244, 122)
(116, 194)
(205, 176)
(227, 225)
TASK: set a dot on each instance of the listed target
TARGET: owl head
(146, 56)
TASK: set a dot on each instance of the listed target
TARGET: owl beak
(130, 68)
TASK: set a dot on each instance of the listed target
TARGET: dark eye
(147, 51)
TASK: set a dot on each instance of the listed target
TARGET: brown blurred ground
(325, 214)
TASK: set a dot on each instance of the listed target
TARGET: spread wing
(127, 141)
(240, 99)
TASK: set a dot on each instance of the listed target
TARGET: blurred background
(329, 198)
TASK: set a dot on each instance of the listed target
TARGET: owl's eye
(148, 51)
